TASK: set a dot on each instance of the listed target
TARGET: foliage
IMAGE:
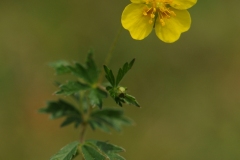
(117, 92)
(88, 91)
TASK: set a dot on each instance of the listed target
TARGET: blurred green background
(188, 90)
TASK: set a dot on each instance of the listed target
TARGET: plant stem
(83, 132)
(109, 55)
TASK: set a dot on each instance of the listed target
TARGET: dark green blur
(189, 91)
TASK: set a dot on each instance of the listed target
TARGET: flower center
(158, 9)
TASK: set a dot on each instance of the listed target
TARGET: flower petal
(134, 21)
(174, 26)
(138, 1)
(183, 4)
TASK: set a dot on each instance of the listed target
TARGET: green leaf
(61, 67)
(109, 75)
(81, 72)
(90, 153)
(91, 67)
(72, 87)
(89, 73)
(96, 95)
(122, 71)
(97, 124)
(110, 150)
(108, 118)
(130, 100)
(72, 119)
(61, 108)
(67, 153)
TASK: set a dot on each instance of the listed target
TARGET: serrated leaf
(60, 108)
(88, 72)
(109, 75)
(72, 87)
(81, 72)
(113, 156)
(122, 71)
(90, 153)
(67, 153)
(130, 100)
(60, 67)
(109, 117)
(72, 119)
(110, 150)
(91, 67)
(96, 95)
(96, 124)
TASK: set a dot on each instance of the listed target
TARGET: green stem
(83, 132)
(109, 55)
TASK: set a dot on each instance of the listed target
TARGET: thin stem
(109, 55)
(83, 132)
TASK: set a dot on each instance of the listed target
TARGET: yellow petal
(138, 1)
(183, 4)
(174, 26)
(135, 22)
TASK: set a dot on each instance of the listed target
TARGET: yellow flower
(169, 18)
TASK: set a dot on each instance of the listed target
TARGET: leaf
(109, 75)
(110, 150)
(96, 95)
(130, 100)
(72, 87)
(61, 108)
(81, 72)
(106, 118)
(67, 153)
(61, 67)
(122, 71)
(91, 67)
(90, 153)
(72, 119)
(89, 73)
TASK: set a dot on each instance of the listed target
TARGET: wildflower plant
(169, 18)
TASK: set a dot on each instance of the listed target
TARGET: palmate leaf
(109, 151)
(117, 92)
(60, 108)
(67, 153)
(108, 118)
(121, 73)
(89, 73)
(72, 87)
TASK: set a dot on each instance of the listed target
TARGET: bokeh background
(189, 90)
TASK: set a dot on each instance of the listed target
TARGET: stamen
(161, 8)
